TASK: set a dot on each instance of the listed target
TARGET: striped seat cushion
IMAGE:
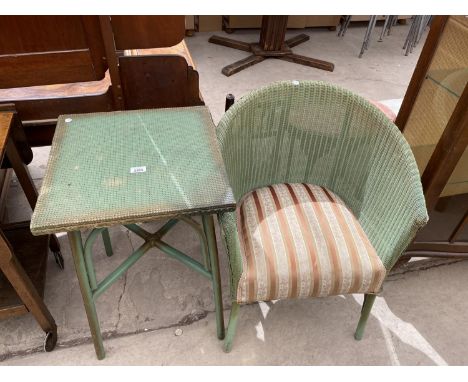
(300, 240)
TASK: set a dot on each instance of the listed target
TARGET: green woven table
(124, 168)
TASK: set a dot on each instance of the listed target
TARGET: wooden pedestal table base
(271, 45)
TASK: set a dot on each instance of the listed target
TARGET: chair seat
(301, 240)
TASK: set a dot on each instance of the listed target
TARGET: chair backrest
(318, 133)
(146, 32)
(310, 132)
(150, 79)
(51, 65)
(44, 50)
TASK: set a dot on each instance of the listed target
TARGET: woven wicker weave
(88, 182)
(316, 133)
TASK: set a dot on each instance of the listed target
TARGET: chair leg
(231, 330)
(366, 308)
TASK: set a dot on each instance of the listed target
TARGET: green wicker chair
(328, 195)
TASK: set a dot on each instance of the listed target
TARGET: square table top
(131, 166)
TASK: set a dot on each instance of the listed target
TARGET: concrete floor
(419, 320)
(382, 73)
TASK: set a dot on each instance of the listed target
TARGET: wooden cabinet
(434, 120)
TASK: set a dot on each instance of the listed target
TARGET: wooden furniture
(434, 120)
(190, 26)
(23, 257)
(149, 80)
(209, 23)
(53, 65)
(40, 52)
(328, 21)
(272, 44)
(166, 158)
(231, 23)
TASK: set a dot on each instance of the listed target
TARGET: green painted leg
(365, 311)
(107, 242)
(231, 330)
(78, 258)
(208, 227)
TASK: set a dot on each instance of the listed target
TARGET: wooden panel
(297, 21)
(158, 81)
(144, 32)
(43, 50)
(243, 21)
(33, 34)
(35, 69)
(322, 21)
(180, 49)
(209, 23)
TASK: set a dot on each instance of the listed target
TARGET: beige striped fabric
(300, 240)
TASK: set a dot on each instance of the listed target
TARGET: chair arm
(393, 208)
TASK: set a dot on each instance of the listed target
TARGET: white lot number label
(136, 170)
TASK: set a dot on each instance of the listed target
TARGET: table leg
(22, 173)
(208, 227)
(296, 40)
(78, 258)
(230, 43)
(27, 184)
(309, 61)
(237, 66)
(107, 242)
